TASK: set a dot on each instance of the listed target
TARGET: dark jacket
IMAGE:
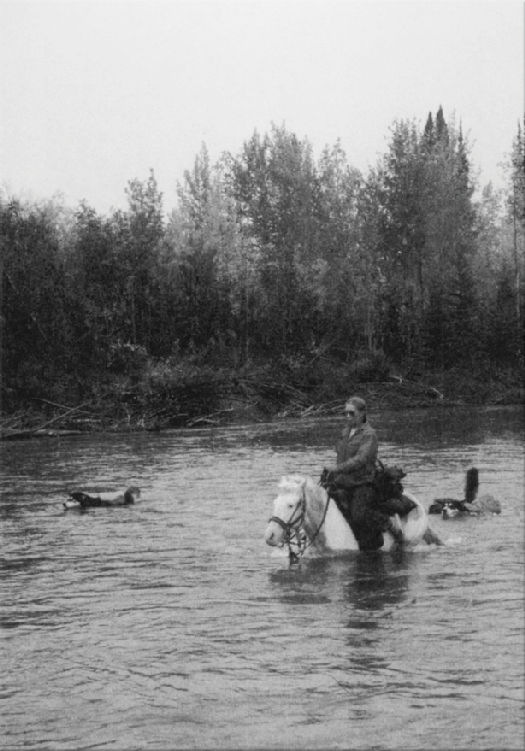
(356, 456)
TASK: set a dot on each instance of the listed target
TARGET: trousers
(367, 521)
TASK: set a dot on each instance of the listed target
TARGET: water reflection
(447, 427)
(363, 589)
(380, 582)
(372, 582)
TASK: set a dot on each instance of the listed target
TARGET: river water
(170, 624)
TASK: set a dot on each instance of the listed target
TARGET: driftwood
(40, 431)
(189, 405)
(208, 419)
(313, 410)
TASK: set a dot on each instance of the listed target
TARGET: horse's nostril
(270, 537)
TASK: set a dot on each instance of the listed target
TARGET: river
(170, 624)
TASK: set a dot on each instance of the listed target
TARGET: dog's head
(450, 510)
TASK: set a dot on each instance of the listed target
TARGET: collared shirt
(357, 453)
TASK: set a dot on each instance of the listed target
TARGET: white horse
(308, 521)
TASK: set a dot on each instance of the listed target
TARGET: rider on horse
(365, 497)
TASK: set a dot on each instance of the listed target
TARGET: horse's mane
(291, 482)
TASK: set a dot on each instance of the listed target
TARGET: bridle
(292, 529)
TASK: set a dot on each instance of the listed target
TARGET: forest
(277, 278)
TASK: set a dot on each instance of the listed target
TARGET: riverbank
(186, 397)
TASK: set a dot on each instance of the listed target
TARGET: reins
(311, 540)
(288, 527)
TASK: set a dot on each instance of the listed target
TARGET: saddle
(387, 486)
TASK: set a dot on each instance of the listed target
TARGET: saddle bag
(389, 490)
(387, 481)
(401, 506)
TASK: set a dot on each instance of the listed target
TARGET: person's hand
(326, 475)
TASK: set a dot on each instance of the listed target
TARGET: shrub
(370, 367)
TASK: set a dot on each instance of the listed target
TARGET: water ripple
(170, 624)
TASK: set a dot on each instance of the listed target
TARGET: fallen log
(39, 431)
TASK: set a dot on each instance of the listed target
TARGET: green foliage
(126, 358)
(274, 260)
(370, 367)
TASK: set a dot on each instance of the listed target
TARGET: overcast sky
(94, 93)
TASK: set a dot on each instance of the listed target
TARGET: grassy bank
(169, 395)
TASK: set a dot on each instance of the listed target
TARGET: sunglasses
(349, 412)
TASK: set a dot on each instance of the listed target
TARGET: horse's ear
(304, 483)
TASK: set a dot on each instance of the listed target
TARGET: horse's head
(288, 510)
